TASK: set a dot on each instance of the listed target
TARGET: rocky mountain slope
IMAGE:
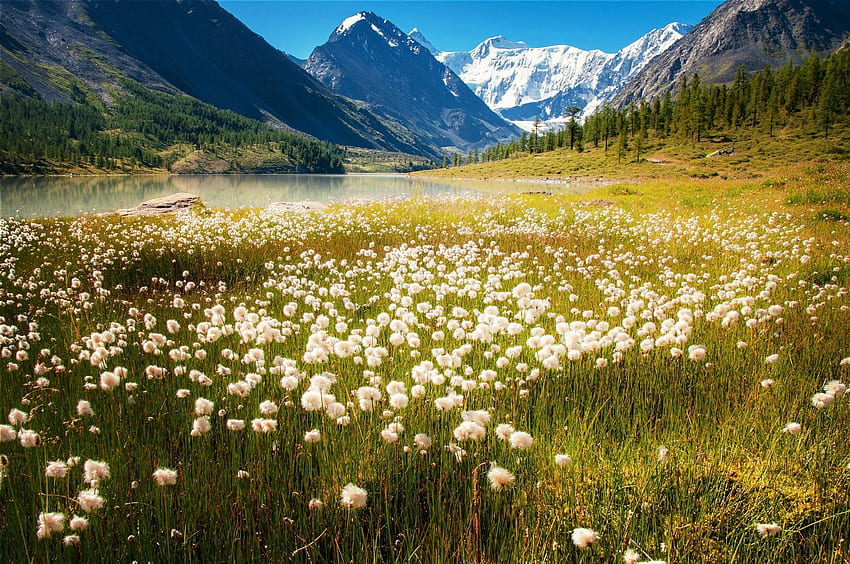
(522, 83)
(367, 58)
(192, 47)
(750, 33)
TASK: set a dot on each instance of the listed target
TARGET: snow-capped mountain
(369, 59)
(522, 83)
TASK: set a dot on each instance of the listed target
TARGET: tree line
(136, 131)
(811, 97)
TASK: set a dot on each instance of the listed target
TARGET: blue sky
(298, 26)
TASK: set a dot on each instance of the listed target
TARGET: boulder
(180, 201)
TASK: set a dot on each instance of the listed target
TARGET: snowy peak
(369, 59)
(522, 83)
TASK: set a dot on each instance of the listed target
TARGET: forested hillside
(145, 129)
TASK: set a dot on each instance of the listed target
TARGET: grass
(734, 265)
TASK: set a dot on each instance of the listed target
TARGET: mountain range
(372, 85)
(522, 83)
(369, 59)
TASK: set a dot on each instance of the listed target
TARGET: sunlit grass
(662, 335)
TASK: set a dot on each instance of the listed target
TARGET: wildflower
(663, 453)
(264, 425)
(422, 441)
(313, 436)
(767, 383)
(504, 431)
(7, 433)
(499, 477)
(17, 417)
(78, 523)
(200, 426)
(109, 380)
(315, 504)
(268, 408)
(94, 471)
(835, 387)
(767, 529)
(563, 460)
(89, 500)
(521, 440)
(469, 430)
(28, 438)
(243, 475)
(165, 476)
(583, 538)
(353, 497)
(821, 400)
(235, 424)
(203, 406)
(631, 556)
(697, 352)
(56, 469)
(792, 428)
(84, 408)
(182, 393)
(771, 359)
(71, 540)
(49, 523)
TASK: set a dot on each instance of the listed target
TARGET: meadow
(647, 372)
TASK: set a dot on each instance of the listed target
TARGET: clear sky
(298, 26)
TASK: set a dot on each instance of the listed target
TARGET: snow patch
(349, 22)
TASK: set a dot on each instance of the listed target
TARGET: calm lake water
(32, 197)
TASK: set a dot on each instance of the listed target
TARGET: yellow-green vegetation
(756, 155)
(648, 371)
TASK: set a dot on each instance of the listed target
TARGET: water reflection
(31, 197)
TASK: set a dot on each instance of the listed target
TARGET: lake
(60, 196)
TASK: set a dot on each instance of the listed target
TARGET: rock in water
(167, 204)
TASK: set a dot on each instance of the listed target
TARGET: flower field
(500, 379)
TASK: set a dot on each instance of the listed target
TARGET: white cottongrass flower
(89, 500)
(268, 408)
(521, 440)
(663, 453)
(315, 504)
(563, 460)
(200, 426)
(771, 359)
(313, 436)
(353, 497)
(767, 529)
(17, 417)
(165, 476)
(28, 438)
(499, 477)
(56, 469)
(469, 430)
(792, 428)
(422, 441)
(767, 383)
(235, 424)
(109, 380)
(697, 352)
(504, 431)
(822, 399)
(7, 433)
(264, 425)
(94, 471)
(49, 523)
(71, 540)
(583, 538)
(84, 408)
(203, 406)
(835, 387)
(78, 523)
